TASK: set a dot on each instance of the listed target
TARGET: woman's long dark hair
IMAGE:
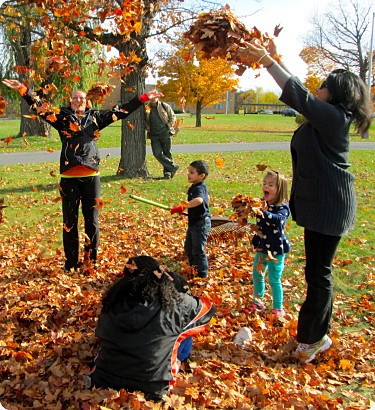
(348, 89)
(141, 283)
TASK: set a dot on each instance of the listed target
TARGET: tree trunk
(30, 127)
(133, 141)
(198, 115)
(22, 57)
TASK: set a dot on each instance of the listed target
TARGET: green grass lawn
(30, 190)
(224, 128)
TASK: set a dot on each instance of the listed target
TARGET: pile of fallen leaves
(48, 319)
(220, 34)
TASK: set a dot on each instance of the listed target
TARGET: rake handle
(147, 201)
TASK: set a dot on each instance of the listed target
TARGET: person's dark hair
(201, 166)
(348, 89)
(144, 281)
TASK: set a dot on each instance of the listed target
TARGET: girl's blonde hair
(281, 184)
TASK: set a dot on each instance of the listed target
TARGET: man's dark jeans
(73, 192)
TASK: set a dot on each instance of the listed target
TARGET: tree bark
(198, 115)
(133, 141)
(22, 56)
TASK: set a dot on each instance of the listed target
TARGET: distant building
(220, 108)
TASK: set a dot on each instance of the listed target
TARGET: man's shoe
(306, 353)
(167, 175)
(175, 170)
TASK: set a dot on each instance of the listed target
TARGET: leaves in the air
(100, 203)
(220, 34)
(247, 207)
(99, 91)
(3, 104)
(219, 162)
(8, 140)
(261, 167)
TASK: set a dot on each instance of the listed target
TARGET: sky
(292, 15)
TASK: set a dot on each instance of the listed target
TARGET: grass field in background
(224, 128)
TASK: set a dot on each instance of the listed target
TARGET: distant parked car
(266, 112)
(289, 112)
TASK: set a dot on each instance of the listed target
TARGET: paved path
(44, 156)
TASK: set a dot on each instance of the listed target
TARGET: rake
(221, 227)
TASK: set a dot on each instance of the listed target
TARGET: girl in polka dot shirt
(270, 242)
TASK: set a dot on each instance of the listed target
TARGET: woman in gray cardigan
(322, 197)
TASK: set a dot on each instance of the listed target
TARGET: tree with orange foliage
(124, 25)
(203, 82)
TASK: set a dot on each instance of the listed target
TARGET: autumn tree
(338, 38)
(19, 29)
(199, 81)
(257, 96)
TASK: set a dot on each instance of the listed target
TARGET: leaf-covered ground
(48, 320)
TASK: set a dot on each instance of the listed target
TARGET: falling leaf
(277, 30)
(8, 139)
(53, 174)
(130, 125)
(219, 162)
(51, 117)
(74, 126)
(50, 150)
(261, 167)
(66, 228)
(26, 142)
(123, 189)
(100, 203)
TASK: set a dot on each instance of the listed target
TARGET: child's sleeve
(278, 218)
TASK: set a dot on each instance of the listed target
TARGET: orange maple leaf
(8, 139)
(50, 150)
(261, 167)
(74, 126)
(76, 78)
(26, 142)
(51, 117)
(219, 162)
(131, 125)
(100, 203)
(123, 189)
(52, 173)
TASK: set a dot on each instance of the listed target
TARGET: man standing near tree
(160, 120)
(78, 126)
